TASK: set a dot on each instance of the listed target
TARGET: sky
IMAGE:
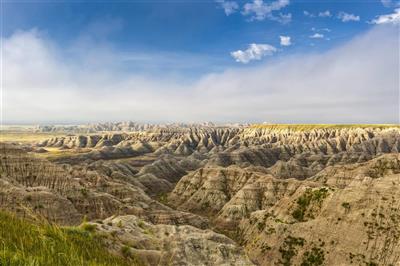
(248, 61)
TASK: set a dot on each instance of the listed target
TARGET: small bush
(314, 257)
(260, 226)
(288, 249)
(84, 192)
(126, 251)
(89, 227)
(141, 224)
(346, 205)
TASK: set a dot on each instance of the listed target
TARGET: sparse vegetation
(84, 192)
(265, 247)
(163, 198)
(141, 224)
(313, 258)
(25, 136)
(382, 167)
(289, 249)
(304, 201)
(346, 205)
(260, 226)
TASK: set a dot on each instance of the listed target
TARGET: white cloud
(258, 10)
(229, 7)
(283, 18)
(323, 29)
(308, 14)
(346, 17)
(285, 40)
(393, 18)
(321, 14)
(356, 82)
(325, 14)
(317, 36)
(254, 52)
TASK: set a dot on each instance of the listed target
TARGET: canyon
(206, 194)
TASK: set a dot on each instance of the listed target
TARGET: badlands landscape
(200, 194)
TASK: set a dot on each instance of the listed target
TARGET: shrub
(288, 249)
(314, 257)
(89, 227)
(346, 205)
(126, 251)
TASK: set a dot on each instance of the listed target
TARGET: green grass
(38, 243)
(306, 127)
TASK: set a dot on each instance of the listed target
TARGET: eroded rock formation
(284, 195)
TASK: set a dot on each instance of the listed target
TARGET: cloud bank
(357, 82)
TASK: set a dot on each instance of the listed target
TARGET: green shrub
(84, 192)
(126, 251)
(346, 205)
(141, 224)
(88, 227)
(289, 249)
(260, 226)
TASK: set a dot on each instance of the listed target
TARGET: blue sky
(184, 42)
(189, 27)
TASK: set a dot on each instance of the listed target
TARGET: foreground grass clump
(27, 243)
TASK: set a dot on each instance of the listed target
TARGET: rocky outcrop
(345, 214)
(170, 245)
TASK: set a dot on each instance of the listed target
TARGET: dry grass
(57, 153)
(26, 137)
